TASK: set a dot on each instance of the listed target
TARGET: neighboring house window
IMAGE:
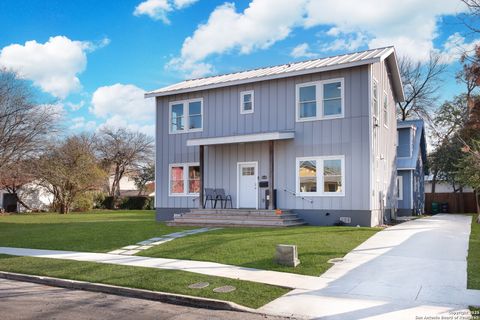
(320, 100)
(399, 188)
(184, 179)
(385, 109)
(246, 102)
(376, 108)
(321, 176)
(186, 116)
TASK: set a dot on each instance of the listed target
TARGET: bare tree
(421, 84)
(144, 176)
(69, 169)
(471, 20)
(121, 151)
(24, 125)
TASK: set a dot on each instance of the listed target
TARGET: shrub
(83, 202)
(136, 203)
(108, 203)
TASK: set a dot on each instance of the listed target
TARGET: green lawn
(255, 247)
(95, 231)
(474, 256)
(249, 294)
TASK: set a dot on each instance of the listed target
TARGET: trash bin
(445, 207)
(435, 207)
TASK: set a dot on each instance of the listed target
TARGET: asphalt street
(23, 300)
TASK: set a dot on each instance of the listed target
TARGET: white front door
(247, 194)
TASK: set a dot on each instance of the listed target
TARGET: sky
(93, 60)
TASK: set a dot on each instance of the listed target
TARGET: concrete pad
(413, 270)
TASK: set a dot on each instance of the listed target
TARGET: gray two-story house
(319, 136)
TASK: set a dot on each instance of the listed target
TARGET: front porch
(236, 218)
(242, 167)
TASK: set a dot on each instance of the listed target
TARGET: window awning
(266, 136)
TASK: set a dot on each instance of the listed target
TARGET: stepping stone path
(147, 244)
(199, 285)
(224, 289)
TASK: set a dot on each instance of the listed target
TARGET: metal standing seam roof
(287, 70)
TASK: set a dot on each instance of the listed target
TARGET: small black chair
(210, 196)
(220, 195)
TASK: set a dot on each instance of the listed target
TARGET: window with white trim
(320, 176)
(184, 179)
(320, 100)
(399, 188)
(186, 116)
(247, 102)
(376, 107)
(385, 109)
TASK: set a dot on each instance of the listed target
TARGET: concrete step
(250, 225)
(238, 212)
(234, 217)
(238, 222)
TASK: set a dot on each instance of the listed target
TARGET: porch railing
(295, 195)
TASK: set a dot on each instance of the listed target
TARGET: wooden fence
(453, 200)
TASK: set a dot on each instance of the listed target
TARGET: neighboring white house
(128, 187)
(32, 194)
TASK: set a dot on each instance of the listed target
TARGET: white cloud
(159, 9)
(124, 105)
(81, 124)
(258, 27)
(118, 121)
(180, 4)
(455, 46)
(410, 25)
(53, 66)
(75, 106)
(123, 99)
(302, 51)
(348, 42)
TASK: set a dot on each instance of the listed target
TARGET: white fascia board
(263, 78)
(241, 139)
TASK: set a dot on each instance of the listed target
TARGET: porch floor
(236, 218)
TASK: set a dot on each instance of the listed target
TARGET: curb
(171, 298)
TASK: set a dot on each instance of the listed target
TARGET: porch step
(236, 217)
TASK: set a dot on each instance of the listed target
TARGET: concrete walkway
(415, 269)
(289, 280)
(411, 271)
(152, 242)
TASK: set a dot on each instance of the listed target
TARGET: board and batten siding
(384, 144)
(274, 111)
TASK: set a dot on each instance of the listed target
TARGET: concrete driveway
(410, 271)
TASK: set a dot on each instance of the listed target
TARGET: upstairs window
(246, 102)
(184, 179)
(186, 116)
(320, 100)
(376, 108)
(385, 109)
